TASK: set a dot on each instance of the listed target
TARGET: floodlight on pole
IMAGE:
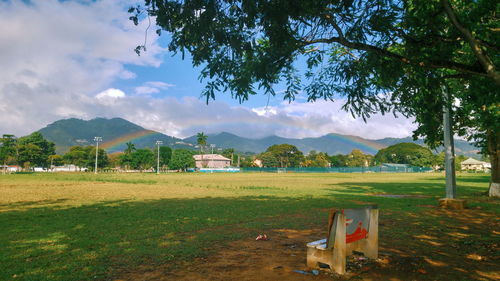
(97, 140)
(212, 146)
(158, 143)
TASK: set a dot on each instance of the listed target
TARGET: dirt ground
(283, 257)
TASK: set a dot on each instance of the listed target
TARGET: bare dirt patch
(427, 257)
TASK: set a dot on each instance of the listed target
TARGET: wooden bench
(348, 230)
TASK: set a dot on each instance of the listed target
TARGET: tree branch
(435, 64)
(483, 58)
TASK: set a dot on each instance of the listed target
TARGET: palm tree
(201, 138)
(130, 148)
(127, 157)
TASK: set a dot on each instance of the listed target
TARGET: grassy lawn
(86, 226)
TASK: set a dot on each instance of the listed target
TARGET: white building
(472, 164)
(211, 161)
(68, 168)
(10, 169)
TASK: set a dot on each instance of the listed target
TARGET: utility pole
(450, 201)
(5, 160)
(97, 140)
(158, 143)
(449, 149)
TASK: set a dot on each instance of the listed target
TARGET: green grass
(85, 226)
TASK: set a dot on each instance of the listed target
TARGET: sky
(76, 59)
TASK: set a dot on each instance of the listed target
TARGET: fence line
(409, 169)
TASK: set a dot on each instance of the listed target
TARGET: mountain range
(116, 132)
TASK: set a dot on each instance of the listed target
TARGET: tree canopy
(182, 159)
(379, 55)
(84, 157)
(7, 148)
(316, 159)
(165, 155)
(201, 139)
(407, 153)
(34, 150)
(283, 155)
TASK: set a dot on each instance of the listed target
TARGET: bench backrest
(357, 224)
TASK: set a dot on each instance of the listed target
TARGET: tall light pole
(450, 201)
(212, 146)
(158, 143)
(4, 165)
(97, 140)
(449, 149)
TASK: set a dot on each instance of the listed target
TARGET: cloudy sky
(63, 59)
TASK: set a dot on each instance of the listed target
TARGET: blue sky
(75, 59)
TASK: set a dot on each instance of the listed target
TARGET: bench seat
(319, 244)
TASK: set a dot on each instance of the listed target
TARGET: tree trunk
(494, 153)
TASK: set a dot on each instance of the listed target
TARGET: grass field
(85, 226)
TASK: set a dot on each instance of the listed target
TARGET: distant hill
(117, 131)
(331, 143)
(114, 132)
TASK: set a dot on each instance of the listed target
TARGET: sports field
(203, 226)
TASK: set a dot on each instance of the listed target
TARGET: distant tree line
(287, 155)
(28, 151)
(35, 151)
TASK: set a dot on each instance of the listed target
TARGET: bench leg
(370, 244)
(312, 258)
(339, 247)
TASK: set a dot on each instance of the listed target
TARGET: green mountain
(331, 143)
(114, 132)
(117, 131)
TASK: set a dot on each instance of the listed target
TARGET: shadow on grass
(389, 188)
(467, 177)
(95, 241)
(464, 187)
(103, 240)
(31, 204)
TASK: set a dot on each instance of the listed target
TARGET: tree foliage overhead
(362, 43)
(380, 55)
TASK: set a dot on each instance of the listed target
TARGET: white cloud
(110, 93)
(152, 87)
(60, 58)
(52, 50)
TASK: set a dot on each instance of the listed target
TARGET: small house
(472, 164)
(211, 161)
